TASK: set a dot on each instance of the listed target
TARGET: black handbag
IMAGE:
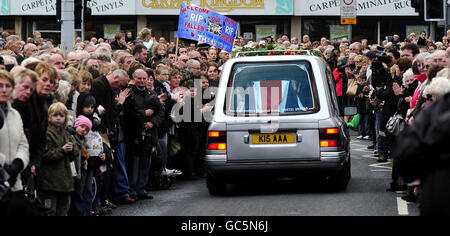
(35, 203)
(395, 124)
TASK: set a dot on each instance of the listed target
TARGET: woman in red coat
(338, 79)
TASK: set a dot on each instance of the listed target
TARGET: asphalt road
(365, 195)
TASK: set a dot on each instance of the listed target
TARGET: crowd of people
(84, 131)
(391, 85)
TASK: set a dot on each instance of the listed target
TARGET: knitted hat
(83, 120)
(88, 100)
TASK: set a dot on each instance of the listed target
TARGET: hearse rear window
(269, 89)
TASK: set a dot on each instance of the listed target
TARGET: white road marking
(382, 165)
(358, 145)
(402, 207)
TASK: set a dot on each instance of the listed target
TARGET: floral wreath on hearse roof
(272, 50)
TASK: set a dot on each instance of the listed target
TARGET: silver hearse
(277, 116)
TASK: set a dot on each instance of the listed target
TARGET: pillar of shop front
(296, 27)
(141, 22)
(67, 25)
(448, 16)
(18, 26)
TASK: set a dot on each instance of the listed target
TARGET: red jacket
(338, 80)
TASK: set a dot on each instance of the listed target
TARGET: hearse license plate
(273, 138)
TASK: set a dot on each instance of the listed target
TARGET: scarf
(4, 108)
(421, 77)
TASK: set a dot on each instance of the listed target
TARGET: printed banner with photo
(207, 26)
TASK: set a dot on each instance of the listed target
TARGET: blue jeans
(121, 183)
(381, 134)
(83, 195)
(364, 125)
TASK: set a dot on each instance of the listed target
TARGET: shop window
(7, 24)
(95, 25)
(318, 27)
(389, 29)
(46, 25)
(365, 29)
(247, 24)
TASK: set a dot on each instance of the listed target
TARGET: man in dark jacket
(103, 90)
(140, 53)
(422, 153)
(193, 71)
(109, 108)
(119, 42)
(140, 131)
(33, 129)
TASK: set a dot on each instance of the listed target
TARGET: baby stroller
(160, 178)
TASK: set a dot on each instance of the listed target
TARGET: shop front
(376, 19)
(255, 17)
(110, 16)
(23, 17)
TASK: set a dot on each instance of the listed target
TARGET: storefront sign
(112, 7)
(364, 8)
(207, 26)
(33, 7)
(4, 8)
(263, 31)
(348, 21)
(232, 7)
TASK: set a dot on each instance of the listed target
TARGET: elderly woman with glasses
(423, 62)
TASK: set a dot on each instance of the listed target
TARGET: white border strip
(402, 207)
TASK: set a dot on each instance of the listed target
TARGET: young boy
(55, 179)
(362, 94)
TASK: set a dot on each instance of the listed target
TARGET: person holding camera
(14, 148)
(383, 82)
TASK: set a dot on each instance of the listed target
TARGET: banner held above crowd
(207, 26)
